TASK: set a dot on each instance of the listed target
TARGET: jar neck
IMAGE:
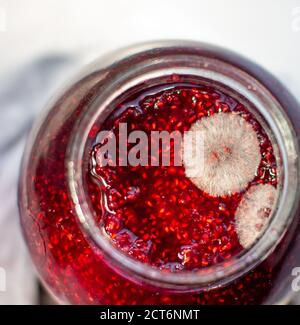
(150, 66)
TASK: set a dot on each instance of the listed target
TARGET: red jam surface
(156, 214)
(160, 217)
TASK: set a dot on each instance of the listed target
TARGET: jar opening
(144, 72)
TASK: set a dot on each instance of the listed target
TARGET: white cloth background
(267, 32)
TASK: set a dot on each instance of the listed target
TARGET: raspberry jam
(156, 214)
(219, 231)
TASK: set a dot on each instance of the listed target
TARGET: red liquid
(76, 271)
(156, 214)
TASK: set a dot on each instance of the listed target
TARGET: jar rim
(119, 79)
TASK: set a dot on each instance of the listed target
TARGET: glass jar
(75, 259)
